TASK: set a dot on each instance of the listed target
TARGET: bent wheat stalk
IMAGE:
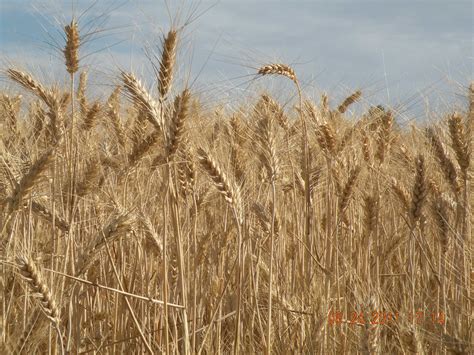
(231, 194)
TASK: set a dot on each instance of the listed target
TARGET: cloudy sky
(399, 52)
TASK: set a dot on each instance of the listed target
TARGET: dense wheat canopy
(141, 220)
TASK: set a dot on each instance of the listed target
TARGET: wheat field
(147, 223)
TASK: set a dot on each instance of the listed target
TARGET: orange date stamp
(384, 318)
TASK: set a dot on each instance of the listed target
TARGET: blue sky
(398, 52)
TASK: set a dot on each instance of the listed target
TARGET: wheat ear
(439, 208)
(42, 293)
(81, 93)
(278, 69)
(40, 290)
(46, 214)
(324, 105)
(29, 180)
(91, 116)
(142, 148)
(459, 141)
(176, 132)
(349, 101)
(139, 96)
(366, 147)
(38, 117)
(229, 191)
(71, 50)
(419, 190)
(268, 155)
(167, 63)
(370, 213)
(348, 189)
(151, 234)
(326, 138)
(121, 224)
(401, 193)
(264, 217)
(11, 106)
(29, 83)
(276, 110)
(383, 138)
(90, 178)
(186, 172)
(446, 165)
(113, 112)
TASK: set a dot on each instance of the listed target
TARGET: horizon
(401, 54)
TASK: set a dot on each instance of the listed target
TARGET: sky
(411, 54)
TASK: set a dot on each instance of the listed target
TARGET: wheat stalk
(231, 194)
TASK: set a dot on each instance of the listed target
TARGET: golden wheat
(277, 228)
